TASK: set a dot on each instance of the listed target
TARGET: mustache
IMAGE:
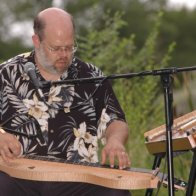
(62, 60)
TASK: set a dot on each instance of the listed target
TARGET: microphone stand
(168, 97)
(167, 81)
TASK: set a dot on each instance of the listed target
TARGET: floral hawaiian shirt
(68, 122)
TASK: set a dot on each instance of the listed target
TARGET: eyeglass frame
(57, 49)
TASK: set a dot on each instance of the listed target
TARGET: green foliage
(24, 9)
(105, 46)
(182, 33)
(8, 50)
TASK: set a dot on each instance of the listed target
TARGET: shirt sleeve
(107, 101)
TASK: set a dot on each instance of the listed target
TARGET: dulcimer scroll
(183, 135)
(44, 170)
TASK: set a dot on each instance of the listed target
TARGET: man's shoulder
(16, 60)
(87, 68)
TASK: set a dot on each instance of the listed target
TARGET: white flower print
(66, 110)
(69, 101)
(83, 137)
(105, 118)
(56, 98)
(82, 134)
(25, 76)
(91, 155)
(38, 110)
(53, 95)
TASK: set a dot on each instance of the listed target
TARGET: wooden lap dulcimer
(41, 168)
(52, 169)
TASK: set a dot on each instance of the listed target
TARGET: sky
(188, 3)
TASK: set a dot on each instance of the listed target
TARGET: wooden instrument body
(39, 170)
(183, 135)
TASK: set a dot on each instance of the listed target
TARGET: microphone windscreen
(28, 66)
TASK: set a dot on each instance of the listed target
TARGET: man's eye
(55, 49)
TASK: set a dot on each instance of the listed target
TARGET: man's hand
(114, 150)
(10, 147)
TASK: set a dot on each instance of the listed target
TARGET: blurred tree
(132, 9)
(178, 26)
(17, 14)
(7, 49)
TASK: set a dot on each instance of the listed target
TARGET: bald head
(52, 19)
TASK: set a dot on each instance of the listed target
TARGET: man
(70, 117)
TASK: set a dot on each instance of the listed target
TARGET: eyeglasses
(57, 49)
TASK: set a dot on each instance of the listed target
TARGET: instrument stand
(192, 176)
(156, 164)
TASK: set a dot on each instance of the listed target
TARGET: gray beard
(42, 60)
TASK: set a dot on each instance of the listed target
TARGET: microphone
(29, 68)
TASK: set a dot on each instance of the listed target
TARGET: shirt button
(51, 131)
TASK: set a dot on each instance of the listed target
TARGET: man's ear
(36, 41)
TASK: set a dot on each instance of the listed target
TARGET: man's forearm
(117, 130)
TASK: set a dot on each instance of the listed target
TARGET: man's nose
(63, 51)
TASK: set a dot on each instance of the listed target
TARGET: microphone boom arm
(160, 72)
